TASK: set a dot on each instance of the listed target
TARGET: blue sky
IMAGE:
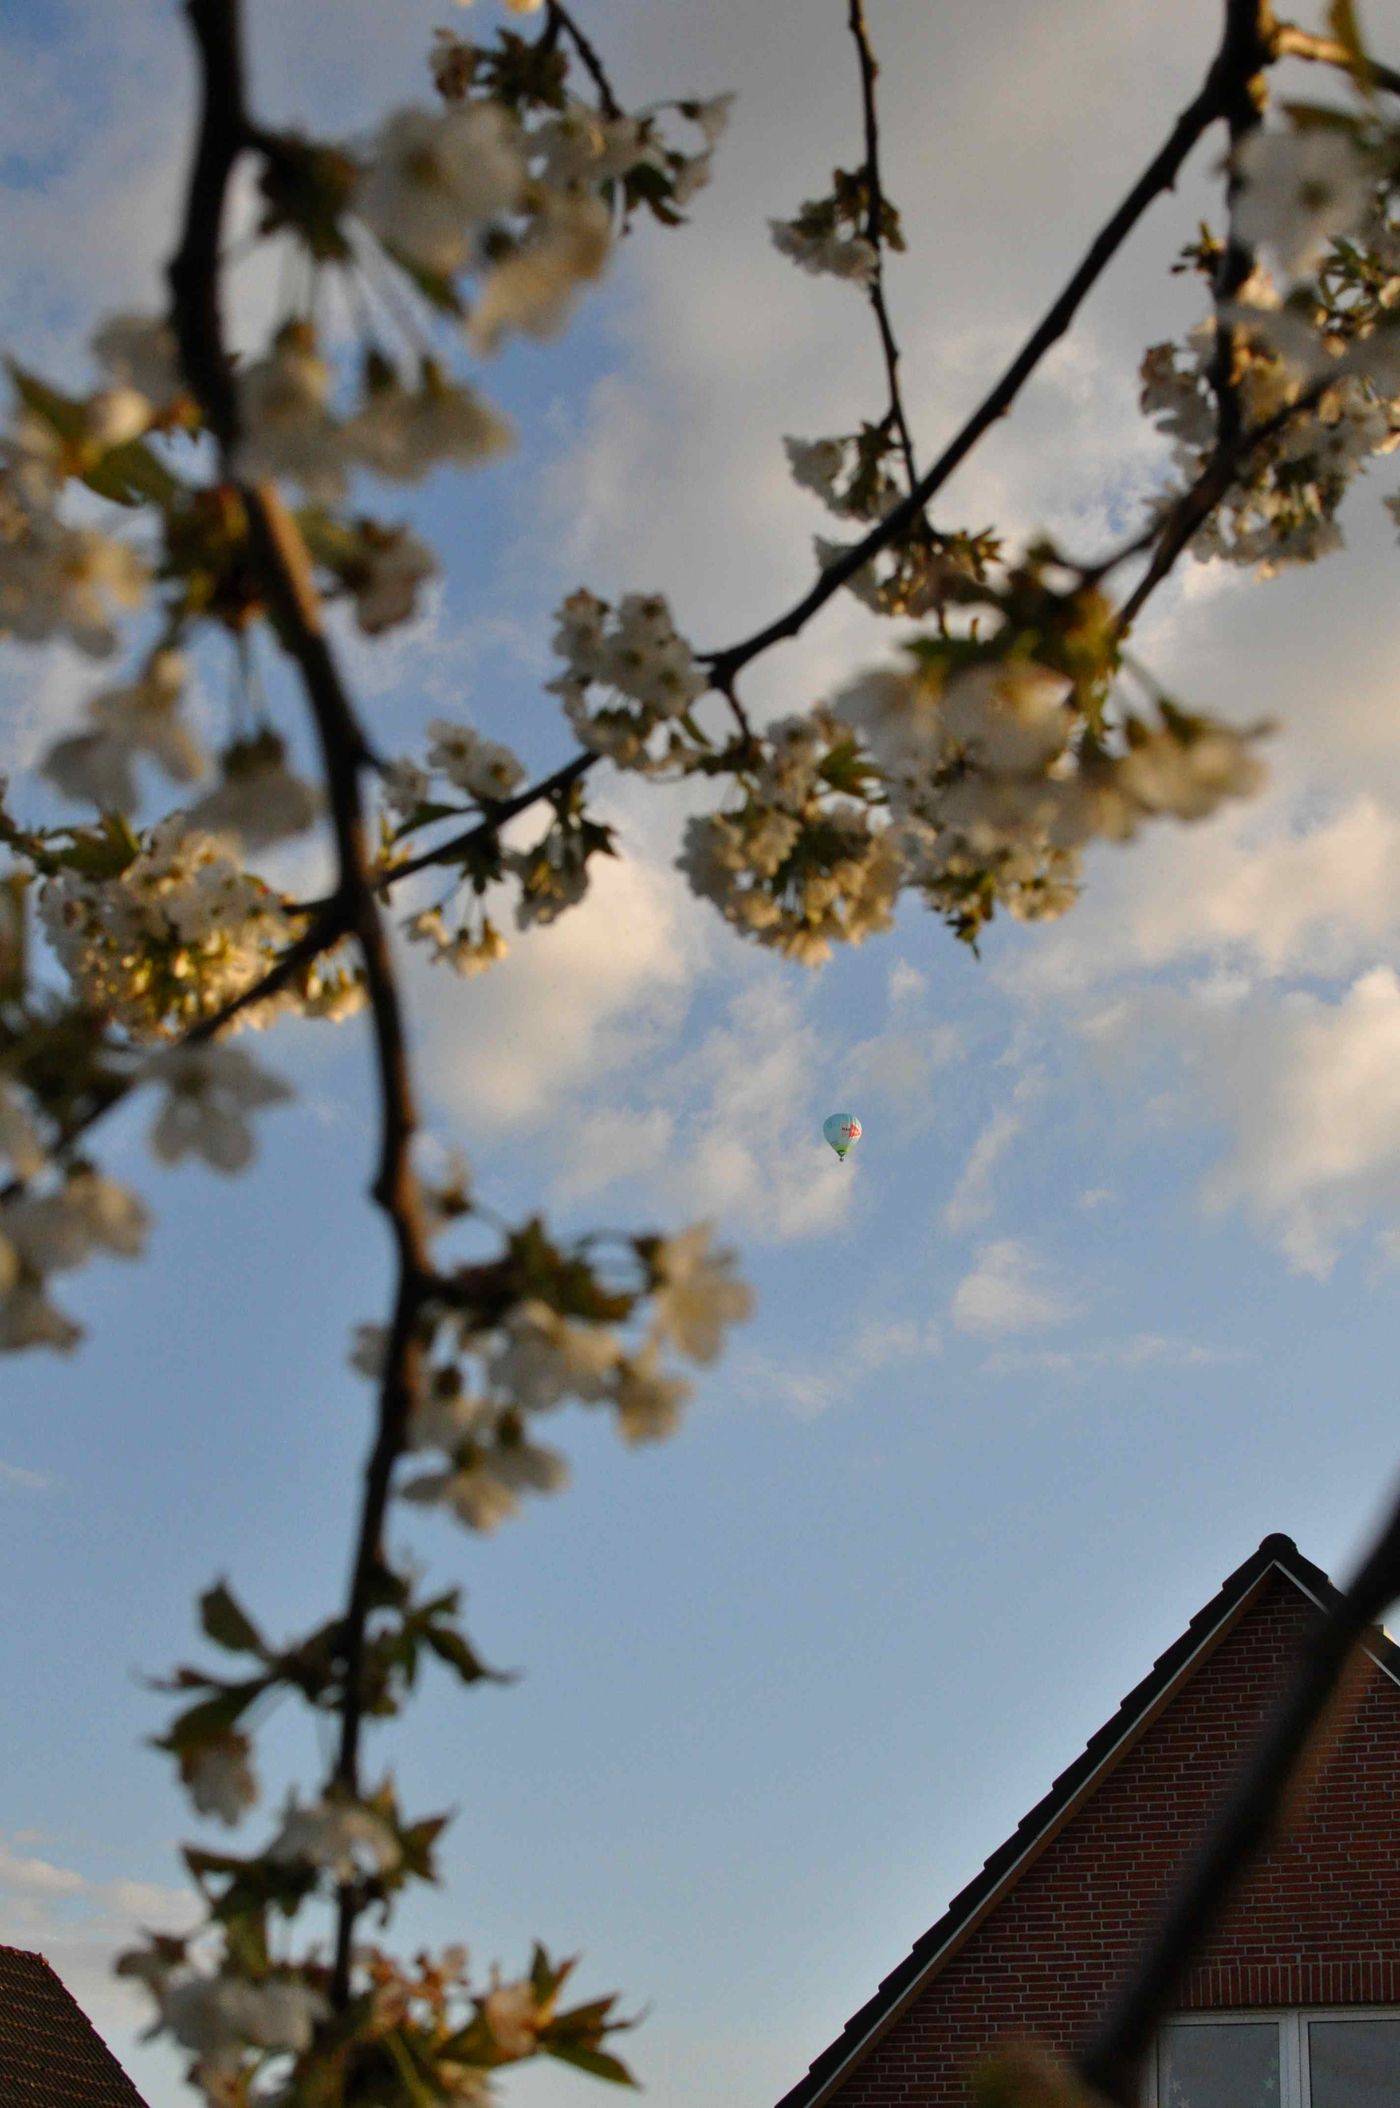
(1108, 1291)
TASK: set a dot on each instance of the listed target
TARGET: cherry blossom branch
(285, 569)
(1291, 1742)
(874, 233)
(1289, 42)
(1173, 534)
(1212, 103)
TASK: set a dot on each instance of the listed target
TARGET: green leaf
(63, 414)
(134, 474)
(456, 1650)
(600, 2063)
(227, 1624)
(211, 1718)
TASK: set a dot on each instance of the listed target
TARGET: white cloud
(1274, 891)
(809, 1388)
(1142, 1350)
(900, 1064)
(80, 1924)
(1009, 1290)
(573, 1001)
(749, 1143)
(972, 1199)
(1311, 1090)
(29, 1481)
(906, 983)
(609, 1144)
(1094, 1197)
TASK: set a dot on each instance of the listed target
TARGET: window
(1348, 2059)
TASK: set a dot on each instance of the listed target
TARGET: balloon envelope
(842, 1130)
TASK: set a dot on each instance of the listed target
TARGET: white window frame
(1295, 2078)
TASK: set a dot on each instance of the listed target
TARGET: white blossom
(406, 786)
(28, 1319)
(218, 2017)
(1190, 778)
(434, 179)
(512, 2014)
(220, 1778)
(547, 1358)
(533, 289)
(369, 1351)
(838, 255)
(55, 1232)
(481, 767)
(1298, 190)
(258, 798)
(179, 931)
(466, 950)
(1010, 717)
(143, 717)
(404, 433)
(342, 1838)
(385, 586)
(287, 428)
(62, 582)
(697, 1293)
(581, 145)
(116, 415)
(649, 1402)
(209, 1089)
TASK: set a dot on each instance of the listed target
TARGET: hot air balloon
(842, 1130)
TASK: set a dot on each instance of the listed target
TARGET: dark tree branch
(1169, 538)
(1247, 27)
(1294, 1737)
(874, 234)
(285, 570)
(1211, 104)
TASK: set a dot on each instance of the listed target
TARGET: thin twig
(1159, 175)
(874, 234)
(1290, 42)
(1111, 2060)
(560, 17)
(285, 569)
(459, 846)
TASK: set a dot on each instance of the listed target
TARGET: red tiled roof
(51, 2056)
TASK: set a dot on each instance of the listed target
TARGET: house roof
(51, 2056)
(1277, 1554)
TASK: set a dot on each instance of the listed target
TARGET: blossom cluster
(649, 674)
(176, 931)
(486, 1380)
(975, 774)
(1307, 347)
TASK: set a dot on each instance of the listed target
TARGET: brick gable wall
(1319, 1923)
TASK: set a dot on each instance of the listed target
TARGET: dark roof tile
(51, 2055)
